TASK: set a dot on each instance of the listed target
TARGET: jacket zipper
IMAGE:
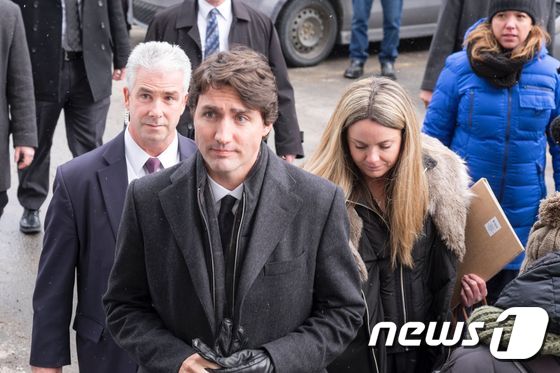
(403, 299)
(471, 108)
(506, 146)
(210, 245)
(236, 255)
(369, 333)
(537, 88)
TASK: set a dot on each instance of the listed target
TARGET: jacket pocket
(88, 328)
(537, 98)
(278, 268)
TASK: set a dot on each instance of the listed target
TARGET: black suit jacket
(104, 38)
(178, 25)
(80, 232)
(298, 293)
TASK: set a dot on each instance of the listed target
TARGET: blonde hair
(385, 102)
(482, 40)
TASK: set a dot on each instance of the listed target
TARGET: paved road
(317, 90)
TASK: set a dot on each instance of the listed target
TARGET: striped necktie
(212, 35)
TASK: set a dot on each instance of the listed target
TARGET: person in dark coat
(239, 24)
(455, 18)
(234, 258)
(407, 198)
(84, 215)
(17, 106)
(536, 286)
(76, 46)
(493, 105)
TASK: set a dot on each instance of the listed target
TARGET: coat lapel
(187, 27)
(180, 206)
(113, 181)
(278, 207)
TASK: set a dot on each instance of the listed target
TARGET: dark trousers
(3, 201)
(85, 123)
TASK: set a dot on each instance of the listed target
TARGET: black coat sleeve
(287, 134)
(119, 34)
(443, 42)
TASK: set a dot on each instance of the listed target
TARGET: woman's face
(511, 28)
(374, 148)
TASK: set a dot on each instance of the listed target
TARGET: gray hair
(158, 55)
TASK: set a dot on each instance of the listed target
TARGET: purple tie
(152, 165)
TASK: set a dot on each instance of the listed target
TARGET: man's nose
(156, 110)
(223, 133)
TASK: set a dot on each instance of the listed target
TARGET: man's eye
(209, 114)
(242, 118)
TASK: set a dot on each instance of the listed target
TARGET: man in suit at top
(17, 107)
(74, 44)
(203, 27)
(84, 214)
(234, 238)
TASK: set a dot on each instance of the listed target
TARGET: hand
(426, 97)
(118, 74)
(228, 340)
(244, 361)
(197, 364)
(473, 289)
(23, 156)
(45, 370)
(289, 158)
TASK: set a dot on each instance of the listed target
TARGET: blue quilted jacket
(501, 133)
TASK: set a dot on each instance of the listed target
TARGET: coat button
(33, 50)
(35, 27)
(35, 4)
(103, 47)
(102, 24)
(100, 3)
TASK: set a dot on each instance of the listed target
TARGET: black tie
(225, 221)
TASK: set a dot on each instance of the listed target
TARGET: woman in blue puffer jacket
(493, 104)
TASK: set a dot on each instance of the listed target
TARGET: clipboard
(490, 240)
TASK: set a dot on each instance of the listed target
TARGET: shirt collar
(224, 10)
(138, 157)
(219, 192)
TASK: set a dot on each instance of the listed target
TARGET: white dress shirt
(219, 192)
(225, 17)
(136, 157)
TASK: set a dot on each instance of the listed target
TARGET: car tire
(307, 30)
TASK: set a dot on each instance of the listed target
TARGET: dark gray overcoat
(298, 293)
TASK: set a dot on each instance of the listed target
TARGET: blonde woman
(493, 104)
(407, 198)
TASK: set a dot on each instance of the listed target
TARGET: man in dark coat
(74, 45)
(233, 246)
(455, 19)
(84, 214)
(17, 107)
(184, 24)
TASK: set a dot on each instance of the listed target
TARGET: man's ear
(185, 102)
(126, 94)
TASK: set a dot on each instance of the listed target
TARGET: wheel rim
(308, 31)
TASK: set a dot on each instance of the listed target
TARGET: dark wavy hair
(246, 71)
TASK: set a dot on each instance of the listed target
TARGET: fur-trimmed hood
(449, 199)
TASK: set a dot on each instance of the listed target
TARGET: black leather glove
(244, 361)
(228, 340)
